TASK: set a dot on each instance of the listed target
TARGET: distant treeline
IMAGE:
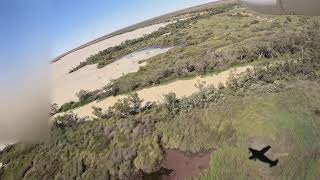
(156, 20)
(111, 54)
(256, 41)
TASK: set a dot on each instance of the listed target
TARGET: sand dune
(155, 94)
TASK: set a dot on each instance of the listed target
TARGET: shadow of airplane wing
(264, 150)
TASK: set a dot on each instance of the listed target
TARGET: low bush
(202, 45)
(124, 143)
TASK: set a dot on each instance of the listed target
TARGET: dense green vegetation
(209, 43)
(277, 104)
(287, 121)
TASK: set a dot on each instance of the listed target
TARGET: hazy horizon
(91, 27)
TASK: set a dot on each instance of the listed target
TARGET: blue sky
(24, 36)
(47, 28)
(76, 23)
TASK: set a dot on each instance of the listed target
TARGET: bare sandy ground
(66, 85)
(155, 94)
(2, 146)
(72, 60)
(90, 78)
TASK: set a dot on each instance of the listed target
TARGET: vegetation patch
(224, 37)
(276, 103)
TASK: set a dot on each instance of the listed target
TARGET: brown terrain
(179, 165)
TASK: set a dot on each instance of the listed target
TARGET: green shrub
(171, 104)
(66, 120)
(130, 105)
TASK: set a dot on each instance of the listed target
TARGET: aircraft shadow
(260, 155)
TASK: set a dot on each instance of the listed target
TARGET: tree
(135, 102)
(97, 111)
(54, 109)
(127, 106)
(83, 95)
(66, 120)
(171, 103)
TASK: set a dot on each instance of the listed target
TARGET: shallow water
(181, 165)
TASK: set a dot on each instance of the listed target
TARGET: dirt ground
(184, 165)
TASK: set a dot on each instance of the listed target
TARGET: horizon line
(126, 29)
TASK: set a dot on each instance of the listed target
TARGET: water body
(181, 165)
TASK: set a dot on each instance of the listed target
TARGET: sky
(77, 22)
(34, 30)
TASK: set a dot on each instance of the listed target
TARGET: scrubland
(277, 103)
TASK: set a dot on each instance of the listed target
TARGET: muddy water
(180, 165)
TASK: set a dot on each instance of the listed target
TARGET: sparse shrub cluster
(269, 78)
(66, 121)
(84, 97)
(171, 104)
(123, 108)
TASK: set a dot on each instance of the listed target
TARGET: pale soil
(91, 78)
(63, 82)
(2, 146)
(155, 94)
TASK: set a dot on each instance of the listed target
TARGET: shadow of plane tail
(274, 163)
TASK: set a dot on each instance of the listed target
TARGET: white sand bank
(2, 146)
(155, 94)
(91, 78)
(60, 78)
